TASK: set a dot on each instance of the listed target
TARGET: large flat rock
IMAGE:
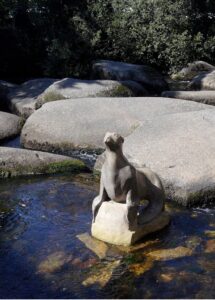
(70, 88)
(173, 137)
(151, 79)
(203, 81)
(193, 69)
(206, 97)
(180, 148)
(10, 125)
(17, 162)
(23, 98)
(82, 123)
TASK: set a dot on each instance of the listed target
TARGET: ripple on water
(44, 253)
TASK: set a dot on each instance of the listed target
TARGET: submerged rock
(151, 79)
(140, 268)
(10, 125)
(210, 246)
(23, 98)
(96, 246)
(168, 254)
(206, 97)
(17, 162)
(69, 88)
(53, 262)
(102, 274)
(193, 242)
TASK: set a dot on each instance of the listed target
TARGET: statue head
(113, 141)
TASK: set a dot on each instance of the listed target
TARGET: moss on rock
(96, 175)
(48, 97)
(118, 91)
(73, 166)
(202, 197)
(66, 166)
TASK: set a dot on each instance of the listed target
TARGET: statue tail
(156, 197)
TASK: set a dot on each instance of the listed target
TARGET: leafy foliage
(62, 37)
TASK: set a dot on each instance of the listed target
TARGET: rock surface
(5, 88)
(152, 80)
(204, 81)
(180, 148)
(7, 85)
(69, 88)
(16, 162)
(136, 88)
(172, 137)
(10, 125)
(23, 98)
(111, 225)
(206, 97)
(82, 123)
(193, 69)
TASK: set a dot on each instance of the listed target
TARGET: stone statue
(124, 187)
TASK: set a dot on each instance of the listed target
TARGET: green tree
(62, 37)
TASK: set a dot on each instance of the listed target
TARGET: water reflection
(46, 250)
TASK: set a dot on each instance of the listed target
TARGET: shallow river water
(46, 250)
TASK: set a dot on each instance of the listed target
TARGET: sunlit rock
(170, 136)
(111, 225)
(206, 97)
(18, 162)
(10, 125)
(151, 79)
(179, 148)
(193, 69)
(23, 98)
(70, 88)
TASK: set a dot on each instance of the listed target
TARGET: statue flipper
(97, 202)
(132, 207)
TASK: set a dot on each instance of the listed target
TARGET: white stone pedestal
(111, 225)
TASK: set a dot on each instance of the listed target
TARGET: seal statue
(122, 182)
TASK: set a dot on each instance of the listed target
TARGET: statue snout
(108, 137)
